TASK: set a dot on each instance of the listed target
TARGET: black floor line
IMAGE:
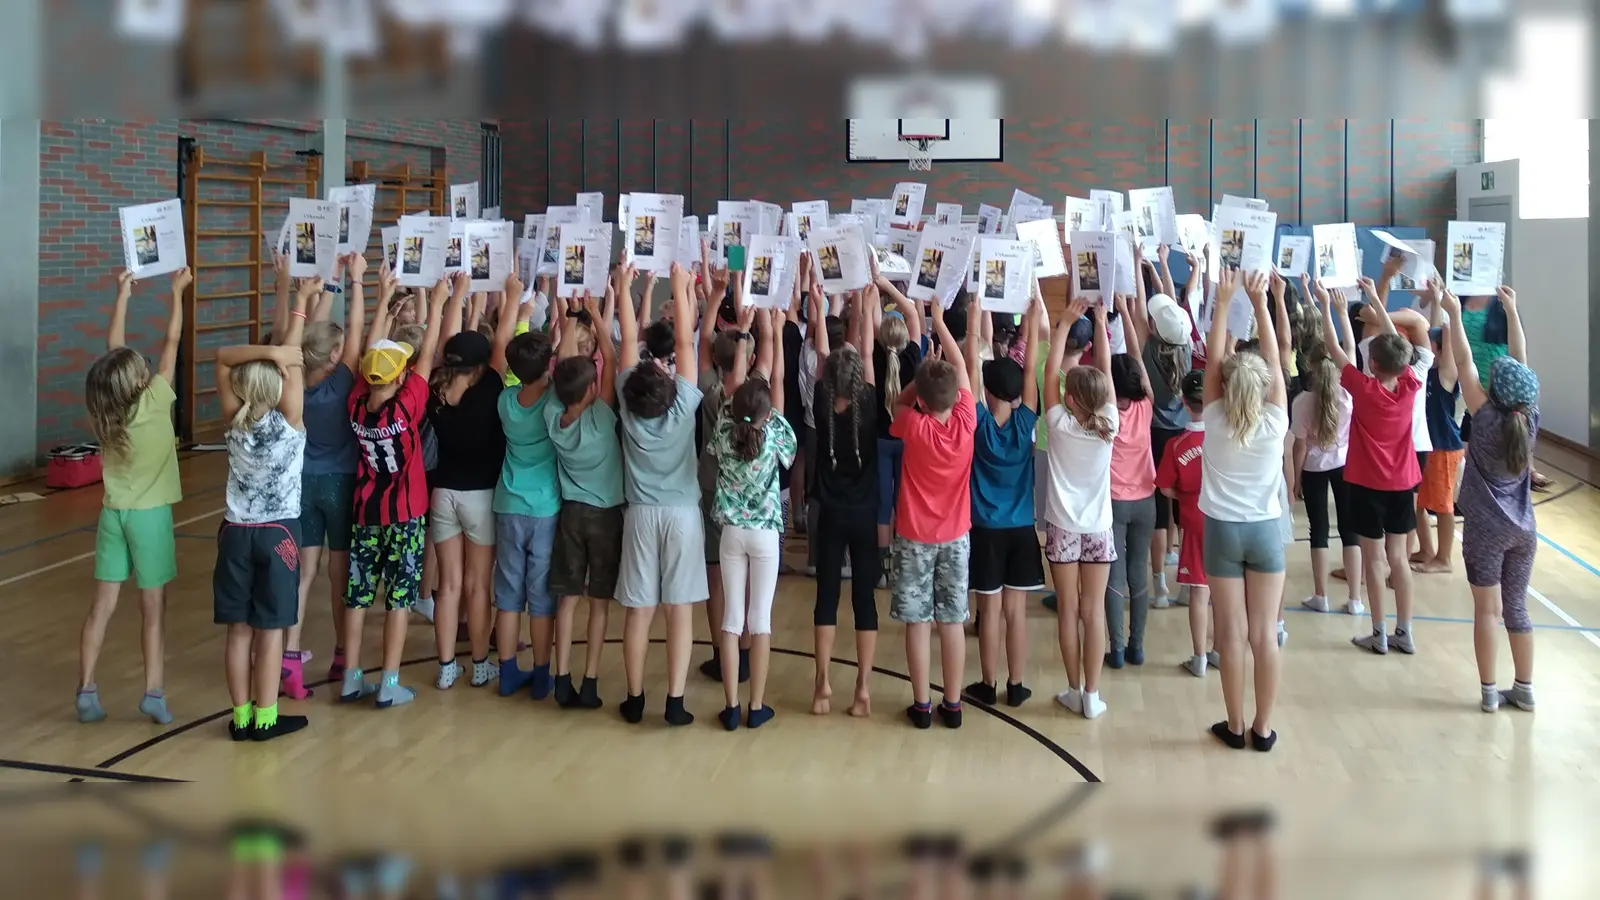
(1060, 752)
(1577, 486)
(82, 774)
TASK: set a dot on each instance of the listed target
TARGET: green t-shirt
(589, 454)
(1483, 353)
(528, 476)
(747, 490)
(146, 476)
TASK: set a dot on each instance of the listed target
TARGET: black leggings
(1315, 486)
(1158, 448)
(833, 533)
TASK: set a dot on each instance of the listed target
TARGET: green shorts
(137, 544)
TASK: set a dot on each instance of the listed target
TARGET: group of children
(488, 454)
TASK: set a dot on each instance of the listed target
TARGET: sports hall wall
(89, 168)
(1367, 171)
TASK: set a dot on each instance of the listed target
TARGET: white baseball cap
(1171, 323)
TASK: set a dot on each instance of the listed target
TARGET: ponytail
(1170, 366)
(1244, 393)
(1516, 439)
(1325, 394)
(893, 337)
(749, 410)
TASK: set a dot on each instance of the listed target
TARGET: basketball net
(919, 153)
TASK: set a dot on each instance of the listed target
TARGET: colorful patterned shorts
(391, 554)
(931, 585)
(1063, 547)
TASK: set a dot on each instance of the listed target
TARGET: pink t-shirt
(1133, 469)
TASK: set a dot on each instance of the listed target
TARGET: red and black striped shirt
(391, 481)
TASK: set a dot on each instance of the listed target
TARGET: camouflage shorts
(932, 582)
(391, 554)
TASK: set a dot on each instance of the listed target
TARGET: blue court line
(1446, 619)
(1582, 563)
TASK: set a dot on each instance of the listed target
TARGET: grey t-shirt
(1167, 410)
(659, 466)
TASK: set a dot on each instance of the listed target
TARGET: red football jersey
(391, 477)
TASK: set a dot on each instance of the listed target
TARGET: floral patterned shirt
(747, 490)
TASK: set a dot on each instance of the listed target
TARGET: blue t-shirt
(1440, 411)
(527, 485)
(590, 457)
(1002, 470)
(330, 444)
(659, 455)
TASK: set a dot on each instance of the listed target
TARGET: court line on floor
(82, 773)
(24, 576)
(69, 533)
(1571, 489)
(1448, 620)
(1059, 751)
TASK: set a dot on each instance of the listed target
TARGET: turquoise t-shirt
(1002, 469)
(528, 476)
(661, 469)
(588, 453)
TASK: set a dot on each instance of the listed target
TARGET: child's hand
(1508, 298)
(747, 317)
(124, 284)
(386, 282)
(680, 280)
(514, 285)
(310, 287)
(1368, 287)
(461, 285)
(1227, 283)
(287, 357)
(280, 264)
(357, 266)
(1452, 303)
(1255, 285)
(181, 280)
(1075, 310)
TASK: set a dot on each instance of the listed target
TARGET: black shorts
(588, 551)
(256, 581)
(1374, 513)
(1466, 428)
(1005, 558)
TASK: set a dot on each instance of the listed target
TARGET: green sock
(266, 716)
(243, 714)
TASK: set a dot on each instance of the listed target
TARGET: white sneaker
(424, 607)
(1214, 659)
(1316, 603)
(1195, 665)
(1355, 608)
(1377, 642)
(1491, 700)
(1403, 641)
(1160, 585)
(1172, 558)
(1182, 599)
(1072, 699)
(1093, 706)
(1283, 634)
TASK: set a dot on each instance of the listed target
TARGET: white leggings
(748, 554)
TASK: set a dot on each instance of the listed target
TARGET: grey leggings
(1132, 522)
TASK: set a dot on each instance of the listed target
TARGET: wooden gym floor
(1344, 716)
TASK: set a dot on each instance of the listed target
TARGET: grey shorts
(931, 585)
(663, 557)
(1233, 548)
(454, 513)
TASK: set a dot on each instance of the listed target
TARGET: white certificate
(907, 209)
(593, 205)
(453, 259)
(1045, 238)
(808, 215)
(737, 222)
(1294, 255)
(585, 259)
(772, 264)
(1476, 258)
(464, 201)
(554, 218)
(989, 219)
(947, 214)
(355, 216)
(1243, 238)
(1334, 247)
(1094, 265)
(391, 246)
(313, 238)
(940, 264)
(422, 244)
(152, 238)
(1155, 218)
(490, 251)
(653, 232)
(1083, 215)
(1007, 268)
(841, 255)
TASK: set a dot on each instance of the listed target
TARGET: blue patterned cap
(1512, 384)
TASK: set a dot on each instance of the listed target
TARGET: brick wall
(1372, 172)
(89, 168)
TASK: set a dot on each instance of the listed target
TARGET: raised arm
(1337, 338)
(1472, 392)
(1280, 312)
(608, 351)
(1516, 339)
(287, 358)
(1379, 311)
(506, 326)
(1102, 339)
(356, 311)
(1431, 294)
(321, 310)
(292, 362)
(1166, 271)
(117, 332)
(628, 323)
(1136, 335)
(385, 311)
(907, 308)
(168, 366)
(1227, 284)
(867, 311)
(1038, 317)
(443, 295)
(281, 287)
(1139, 318)
(453, 314)
(1052, 368)
(683, 324)
(949, 347)
(773, 327)
(974, 363)
(1256, 286)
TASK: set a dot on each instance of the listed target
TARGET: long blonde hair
(1325, 394)
(893, 337)
(111, 390)
(1245, 377)
(1090, 392)
(319, 342)
(259, 387)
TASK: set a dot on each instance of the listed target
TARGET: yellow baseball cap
(385, 362)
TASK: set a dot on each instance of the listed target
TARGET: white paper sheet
(491, 214)
(772, 264)
(1475, 255)
(841, 254)
(422, 246)
(1127, 270)
(737, 222)
(1243, 238)
(490, 254)
(585, 259)
(814, 214)
(1083, 215)
(1155, 217)
(554, 218)
(464, 201)
(876, 213)
(689, 243)
(1335, 254)
(1418, 266)
(593, 205)
(902, 243)
(355, 216)
(1109, 203)
(940, 264)
(1007, 268)
(314, 238)
(990, 219)
(1194, 232)
(532, 239)
(1045, 237)
(908, 197)
(652, 231)
(1246, 202)
(454, 260)
(1294, 255)
(391, 246)
(152, 238)
(153, 20)
(1019, 198)
(1094, 265)
(771, 218)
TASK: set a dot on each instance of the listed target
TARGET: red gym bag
(73, 466)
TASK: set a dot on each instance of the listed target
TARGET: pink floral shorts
(1062, 547)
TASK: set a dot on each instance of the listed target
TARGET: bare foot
(1338, 574)
(1432, 567)
(819, 700)
(862, 708)
(1418, 558)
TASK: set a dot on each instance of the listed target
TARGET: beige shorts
(454, 513)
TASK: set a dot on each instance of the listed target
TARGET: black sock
(633, 709)
(676, 714)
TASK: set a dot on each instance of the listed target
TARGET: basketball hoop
(919, 151)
